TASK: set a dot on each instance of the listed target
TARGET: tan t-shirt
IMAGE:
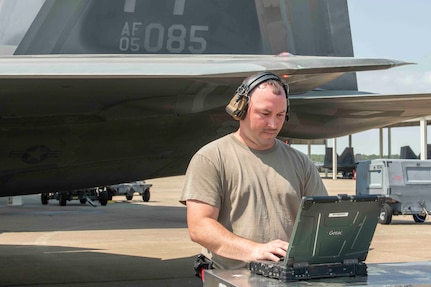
(257, 192)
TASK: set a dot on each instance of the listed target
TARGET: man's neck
(250, 143)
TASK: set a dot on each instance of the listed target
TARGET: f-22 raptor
(103, 92)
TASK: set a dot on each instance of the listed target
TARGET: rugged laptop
(330, 238)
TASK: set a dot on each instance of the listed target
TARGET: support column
(381, 142)
(334, 159)
(389, 143)
(424, 146)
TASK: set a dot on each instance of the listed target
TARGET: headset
(238, 105)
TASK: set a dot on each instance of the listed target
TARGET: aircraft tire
(129, 196)
(146, 195)
(385, 216)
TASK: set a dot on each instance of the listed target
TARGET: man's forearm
(208, 232)
(212, 235)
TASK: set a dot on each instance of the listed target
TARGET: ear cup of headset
(238, 105)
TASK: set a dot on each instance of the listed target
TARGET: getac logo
(335, 233)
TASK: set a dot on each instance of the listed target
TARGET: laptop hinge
(351, 261)
(300, 264)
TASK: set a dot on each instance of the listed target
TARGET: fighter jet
(104, 92)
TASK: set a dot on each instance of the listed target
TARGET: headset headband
(248, 85)
(238, 105)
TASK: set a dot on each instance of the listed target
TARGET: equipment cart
(406, 183)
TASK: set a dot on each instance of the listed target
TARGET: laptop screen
(332, 229)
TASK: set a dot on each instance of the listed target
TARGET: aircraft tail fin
(347, 158)
(306, 27)
(327, 162)
(406, 152)
(345, 162)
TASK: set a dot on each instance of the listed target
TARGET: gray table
(381, 274)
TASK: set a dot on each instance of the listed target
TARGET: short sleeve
(202, 181)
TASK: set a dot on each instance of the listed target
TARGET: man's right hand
(273, 250)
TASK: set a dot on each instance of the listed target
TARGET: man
(242, 191)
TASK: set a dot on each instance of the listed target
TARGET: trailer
(406, 184)
(83, 195)
(129, 188)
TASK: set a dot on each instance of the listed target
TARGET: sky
(395, 29)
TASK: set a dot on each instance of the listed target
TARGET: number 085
(177, 40)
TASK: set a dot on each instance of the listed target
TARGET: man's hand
(272, 250)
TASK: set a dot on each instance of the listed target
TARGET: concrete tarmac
(136, 243)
